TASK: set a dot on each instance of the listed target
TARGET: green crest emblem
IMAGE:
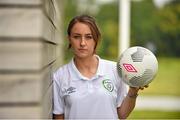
(108, 85)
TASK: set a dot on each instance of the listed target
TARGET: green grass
(167, 81)
(154, 115)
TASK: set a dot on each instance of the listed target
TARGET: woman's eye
(89, 37)
(76, 37)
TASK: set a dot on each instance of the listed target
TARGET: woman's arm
(58, 116)
(128, 103)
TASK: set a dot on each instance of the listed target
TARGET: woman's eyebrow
(88, 34)
(76, 34)
(80, 34)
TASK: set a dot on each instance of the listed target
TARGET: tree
(108, 22)
(159, 26)
(169, 27)
(143, 23)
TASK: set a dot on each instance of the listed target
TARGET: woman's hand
(133, 91)
(138, 88)
(142, 88)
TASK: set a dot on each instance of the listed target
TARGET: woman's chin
(82, 55)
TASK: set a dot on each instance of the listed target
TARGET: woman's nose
(83, 42)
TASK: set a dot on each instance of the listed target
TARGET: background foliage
(156, 28)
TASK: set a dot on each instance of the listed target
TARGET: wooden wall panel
(31, 44)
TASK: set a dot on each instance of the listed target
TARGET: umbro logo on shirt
(70, 90)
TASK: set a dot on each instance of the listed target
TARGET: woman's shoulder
(108, 65)
(108, 62)
(61, 71)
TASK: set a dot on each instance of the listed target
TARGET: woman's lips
(82, 49)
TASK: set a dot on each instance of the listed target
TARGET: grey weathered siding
(30, 50)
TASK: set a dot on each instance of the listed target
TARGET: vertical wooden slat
(30, 49)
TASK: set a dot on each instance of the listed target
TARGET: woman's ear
(69, 46)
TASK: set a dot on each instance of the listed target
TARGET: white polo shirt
(78, 97)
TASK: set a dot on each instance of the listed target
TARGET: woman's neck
(87, 66)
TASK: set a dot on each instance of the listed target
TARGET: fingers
(142, 88)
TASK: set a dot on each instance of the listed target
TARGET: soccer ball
(137, 66)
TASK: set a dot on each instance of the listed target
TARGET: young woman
(89, 87)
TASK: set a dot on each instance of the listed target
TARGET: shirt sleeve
(122, 93)
(58, 101)
(122, 89)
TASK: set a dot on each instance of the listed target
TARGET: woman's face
(81, 40)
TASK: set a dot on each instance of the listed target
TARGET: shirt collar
(76, 74)
(100, 67)
(75, 71)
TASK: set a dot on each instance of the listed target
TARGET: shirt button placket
(90, 87)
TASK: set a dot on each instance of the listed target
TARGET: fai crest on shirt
(108, 85)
